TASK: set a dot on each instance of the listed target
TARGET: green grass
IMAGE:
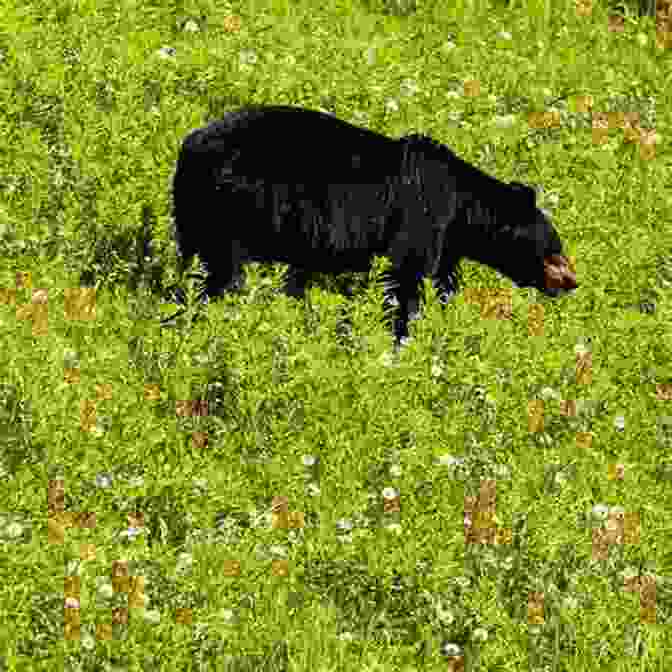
(92, 114)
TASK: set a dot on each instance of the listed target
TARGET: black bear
(286, 184)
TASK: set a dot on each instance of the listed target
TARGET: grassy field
(273, 488)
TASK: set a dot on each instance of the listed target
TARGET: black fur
(283, 184)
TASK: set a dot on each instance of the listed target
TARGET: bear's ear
(526, 191)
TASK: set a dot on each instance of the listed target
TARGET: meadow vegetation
(270, 486)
